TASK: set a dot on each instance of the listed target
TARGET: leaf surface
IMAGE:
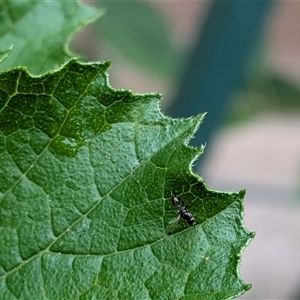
(85, 178)
(40, 30)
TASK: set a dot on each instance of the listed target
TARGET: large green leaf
(39, 31)
(85, 179)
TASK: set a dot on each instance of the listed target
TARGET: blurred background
(240, 62)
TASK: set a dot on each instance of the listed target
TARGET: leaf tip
(242, 193)
(247, 287)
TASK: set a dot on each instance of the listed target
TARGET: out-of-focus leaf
(139, 33)
(4, 54)
(40, 31)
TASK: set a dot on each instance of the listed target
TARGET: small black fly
(182, 213)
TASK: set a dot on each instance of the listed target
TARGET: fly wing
(172, 224)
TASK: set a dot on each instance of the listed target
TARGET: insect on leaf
(85, 174)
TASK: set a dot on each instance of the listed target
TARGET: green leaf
(85, 179)
(40, 30)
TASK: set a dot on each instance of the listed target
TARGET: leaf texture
(85, 178)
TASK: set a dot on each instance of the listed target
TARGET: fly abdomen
(186, 215)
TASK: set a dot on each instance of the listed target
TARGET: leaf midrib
(90, 210)
(46, 250)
